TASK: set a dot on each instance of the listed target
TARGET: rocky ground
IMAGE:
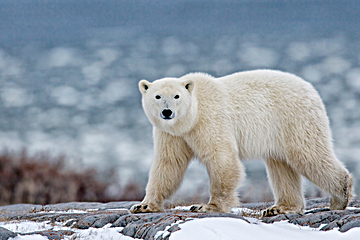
(75, 216)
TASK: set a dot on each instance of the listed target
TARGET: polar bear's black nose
(167, 113)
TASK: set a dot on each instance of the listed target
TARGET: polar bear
(265, 114)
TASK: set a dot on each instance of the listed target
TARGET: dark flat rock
(29, 208)
(342, 219)
(6, 234)
(98, 220)
(53, 235)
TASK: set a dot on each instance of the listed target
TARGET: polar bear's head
(167, 102)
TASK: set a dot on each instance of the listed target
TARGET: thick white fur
(264, 114)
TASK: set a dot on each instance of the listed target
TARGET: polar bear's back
(273, 110)
(268, 82)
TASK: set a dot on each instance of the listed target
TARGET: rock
(280, 217)
(98, 220)
(347, 226)
(160, 226)
(354, 203)
(6, 234)
(53, 235)
(125, 220)
(314, 220)
(86, 222)
(257, 206)
(318, 203)
(105, 219)
(346, 222)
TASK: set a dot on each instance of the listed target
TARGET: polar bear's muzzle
(167, 114)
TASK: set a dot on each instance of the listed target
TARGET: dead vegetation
(43, 179)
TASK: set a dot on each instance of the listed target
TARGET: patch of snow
(100, 233)
(26, 226)
(182, 208)
(164, 234)
(30, 237)
(246, 212)
(207, 228)
(230, 228)
(70, 211)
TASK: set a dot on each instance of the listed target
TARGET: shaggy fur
(264, 114)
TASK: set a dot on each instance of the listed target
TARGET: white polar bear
(264, 114)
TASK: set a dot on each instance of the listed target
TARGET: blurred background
(70, 106)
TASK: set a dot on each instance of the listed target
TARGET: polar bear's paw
(144, 208)
(202, 208)
(276, 210)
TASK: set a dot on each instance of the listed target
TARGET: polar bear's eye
(157, 97)
(176, 96)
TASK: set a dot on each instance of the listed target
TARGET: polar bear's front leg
(225, 173)
(171, 159)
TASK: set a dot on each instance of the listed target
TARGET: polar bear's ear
(144, 86)
(189, 85)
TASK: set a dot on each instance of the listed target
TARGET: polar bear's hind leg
(287, 189)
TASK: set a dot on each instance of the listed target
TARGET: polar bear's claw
(197, 208)
(269, 212)
(143, 208)
(276, 210)
(205, 208)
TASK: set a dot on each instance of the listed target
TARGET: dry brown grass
(42, 179)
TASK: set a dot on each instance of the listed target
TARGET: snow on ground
(89, 234)
(230, 228)
(26, 226)
(30, 237)
(103, 233)
(197, 229)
